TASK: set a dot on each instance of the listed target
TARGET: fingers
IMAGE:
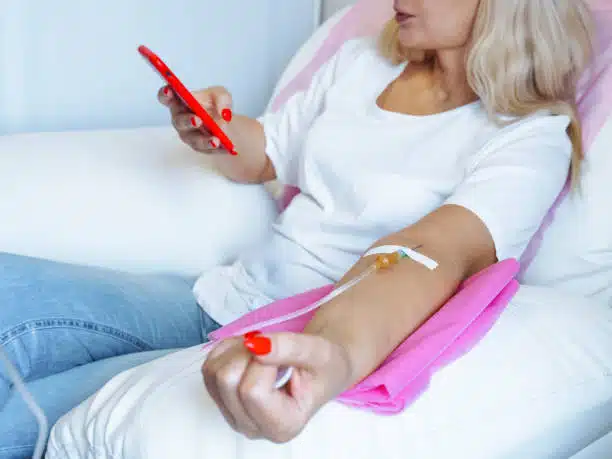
(229, 382)
(167, 97)
(221, 347)
(220, 103)
(191, 131)
(244, 391)
(313, 358)
(223, 375)
(200, 142)
(211, 386)
(209, 375)
(267, 406)
(304, 351)
(190, 127)
(185, 121)
(217, 101)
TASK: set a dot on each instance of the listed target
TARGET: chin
(409, 38)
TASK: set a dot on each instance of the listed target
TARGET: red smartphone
(185, 95)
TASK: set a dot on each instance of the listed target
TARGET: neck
(448, 68)
(451, 64)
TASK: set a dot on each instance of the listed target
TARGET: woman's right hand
(217, 101)
(251, 165)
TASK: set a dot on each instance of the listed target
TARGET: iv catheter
(386, 258)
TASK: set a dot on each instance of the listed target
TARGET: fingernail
(195, 122)
(212, 144)
(258, 345)
(166, 91)
(226, 114)
(251, 334)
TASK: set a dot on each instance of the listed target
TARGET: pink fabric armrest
(450, 333)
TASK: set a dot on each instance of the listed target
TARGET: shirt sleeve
(286, 129)
(516, 179)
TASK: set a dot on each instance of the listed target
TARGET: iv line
(41, 419)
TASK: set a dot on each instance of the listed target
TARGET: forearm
(251, 165)
(370, 320)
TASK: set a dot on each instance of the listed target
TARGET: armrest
(133, 199)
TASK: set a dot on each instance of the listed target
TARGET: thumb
(222, 103)
(308, 352)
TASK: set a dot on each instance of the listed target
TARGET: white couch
(138, 200)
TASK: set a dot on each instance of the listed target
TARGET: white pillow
(576, 252)
(308, 50)
(135, 200)
(301, 59)
(597, 192)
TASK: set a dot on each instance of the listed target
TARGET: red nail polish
(226, 114)
(166, 91)
(194, 122)
(258, 345)
(251, 334)
(212, 144)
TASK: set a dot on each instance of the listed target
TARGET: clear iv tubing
(41, 419)
(387, 256)
(282, 379)
(284, 373)
(311, 307)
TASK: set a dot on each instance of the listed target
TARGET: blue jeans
(69, 329)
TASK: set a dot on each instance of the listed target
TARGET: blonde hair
(525, 56)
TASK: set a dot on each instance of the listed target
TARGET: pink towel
(455, 329)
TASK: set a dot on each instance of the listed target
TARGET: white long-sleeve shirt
(365, 173)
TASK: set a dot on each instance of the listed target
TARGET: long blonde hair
(525, 56)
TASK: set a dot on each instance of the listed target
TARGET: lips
(403, 17)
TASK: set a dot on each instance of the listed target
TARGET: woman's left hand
(240, 375)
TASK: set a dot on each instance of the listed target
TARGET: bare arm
(348, 337)
(386, 308)
(252, 165)
(492, 213)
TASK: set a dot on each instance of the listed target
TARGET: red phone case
(187, 98)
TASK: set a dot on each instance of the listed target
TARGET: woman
(460, 153)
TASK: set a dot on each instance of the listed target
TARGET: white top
(365, 173)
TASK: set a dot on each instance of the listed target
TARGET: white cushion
(597, 189)
(308, 51)
(538, 386)
(576, 252)
(136, 200)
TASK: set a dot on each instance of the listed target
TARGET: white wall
(72, 64)
(331, 6)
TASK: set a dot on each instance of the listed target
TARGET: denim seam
(84, 325)
(17, 448)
